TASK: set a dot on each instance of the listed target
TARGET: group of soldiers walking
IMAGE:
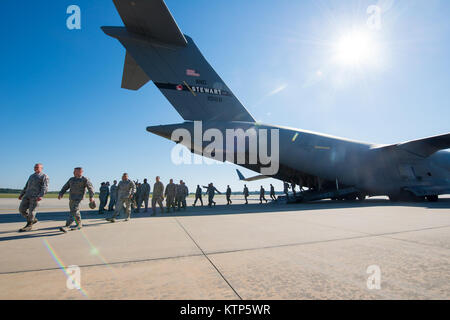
(123, 196)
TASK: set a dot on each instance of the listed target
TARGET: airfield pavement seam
(363, 236)
(206, 256)
(385, 235)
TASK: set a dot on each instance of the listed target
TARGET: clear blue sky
(62, 105)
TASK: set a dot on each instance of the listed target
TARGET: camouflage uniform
(198, 196)
(211, 190)
(286, 189)
(229, 196)
(112, 197)
(104, 193)
(170, 193)
(246, 194)
(36, 187)
(262, 195)
(272, 193)
(137, 197)
(125, 190)
(144, 194)
(182, 193)
(157, 197)
(77, 188)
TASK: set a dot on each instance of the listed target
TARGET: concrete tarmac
(316, 250)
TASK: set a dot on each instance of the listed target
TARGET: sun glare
(356, 49)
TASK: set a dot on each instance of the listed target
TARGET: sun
(356, 48)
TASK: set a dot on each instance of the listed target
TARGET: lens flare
(356, 48)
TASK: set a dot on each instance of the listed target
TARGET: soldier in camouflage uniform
(157, 196)
(262, 195)
(77, 185)
(228, 194)
(125, 191)
(113, 196)
(198, 196)
(137, 198)
(144, 195)
(185, 195)
(286, 189)
(272, 193)
(293, 189)
(33, 192)
(182, 193)
(170, 193)
(104, 193)
(246, 193)
(211, 191)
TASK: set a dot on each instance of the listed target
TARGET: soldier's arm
(90, 188)
(24, 189)
(44, 187)
(133, 188)
(64, 189)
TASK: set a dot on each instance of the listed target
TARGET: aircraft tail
(158, 51)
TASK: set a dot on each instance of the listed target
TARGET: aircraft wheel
(432, 198)
(394, 198)
(361, 197)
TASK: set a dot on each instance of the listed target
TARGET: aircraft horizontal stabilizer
(158, 51)
(150, 18)
(256, 178)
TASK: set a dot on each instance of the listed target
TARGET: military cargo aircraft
(327, 166)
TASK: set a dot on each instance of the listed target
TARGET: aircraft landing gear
(405, 196)
(432, 198)
(361, 197)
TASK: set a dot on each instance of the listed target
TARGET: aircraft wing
(424, 147)
(256, 178)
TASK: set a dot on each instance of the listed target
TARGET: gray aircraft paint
(157, 50)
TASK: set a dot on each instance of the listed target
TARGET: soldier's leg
(32, 210)
(101, 206)
(127, 208)
(77, 213)
(154, 205)
(23, 208)
(168, 200)
(111, 203)
(74, 214)
(71, 216)
(119, 207)
(161, 205)
(146, 203)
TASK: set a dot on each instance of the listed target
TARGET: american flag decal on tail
(192, 73)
